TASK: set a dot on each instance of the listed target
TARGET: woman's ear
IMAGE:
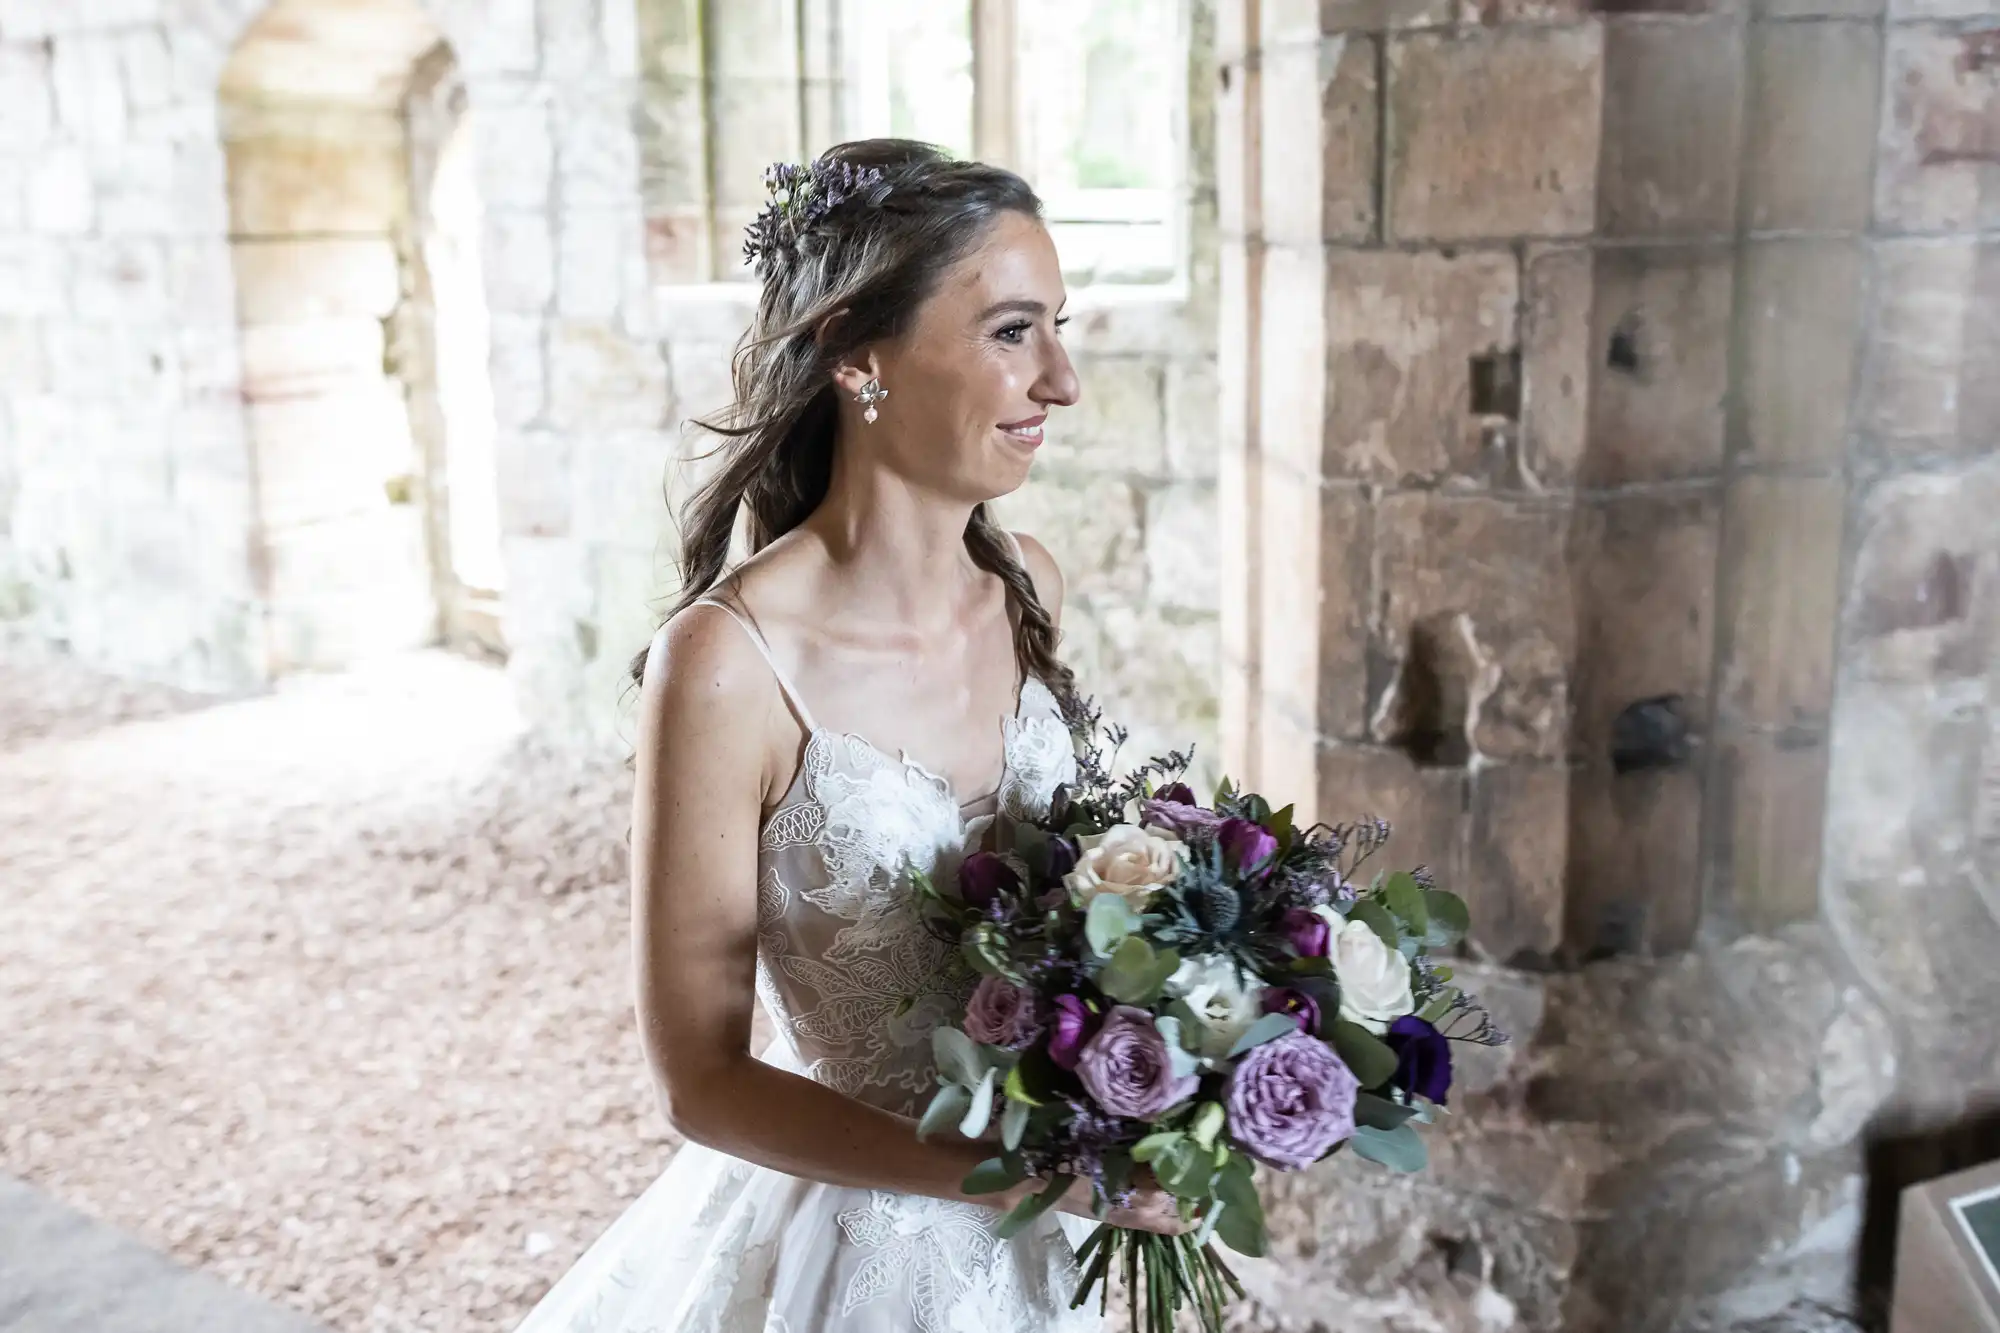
(855, 370)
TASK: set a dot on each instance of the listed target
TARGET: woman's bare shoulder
(1043, 572)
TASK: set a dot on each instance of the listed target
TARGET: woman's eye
(1013, 333)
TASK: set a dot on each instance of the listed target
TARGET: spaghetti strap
(763, 647)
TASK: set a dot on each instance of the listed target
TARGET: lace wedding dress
(855, 986)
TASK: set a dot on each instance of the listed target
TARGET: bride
(864, 696)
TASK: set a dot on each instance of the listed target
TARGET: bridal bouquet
(1196, 990)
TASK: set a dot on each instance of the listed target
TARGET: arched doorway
(363, 329)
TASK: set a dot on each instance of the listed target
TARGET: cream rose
(1127, 860)
(1226, 1006)
(1374, 979)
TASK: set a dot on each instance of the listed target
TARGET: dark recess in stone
(1428, 723)
(1650, 734)
(1496, 385)
(1623, 354)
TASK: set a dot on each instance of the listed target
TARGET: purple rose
(1290, 1101)
(1308, 932)
(1180, 817)
(1286, 1000)
(1074, 1025)
(982, 877)
(1127, 1069)
(1423, 1058)
(1003, 1014)
(1246, 847)
(1177, 792)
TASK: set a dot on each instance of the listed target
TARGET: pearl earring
(871, 393)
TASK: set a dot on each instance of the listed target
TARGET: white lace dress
(855, 986)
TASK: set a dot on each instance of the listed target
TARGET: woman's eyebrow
(1035, 308)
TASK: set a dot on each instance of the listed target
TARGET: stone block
(533, 473)
(327, 456)
(1402, 331)
(515, 152)
(1780, 598)
(1314, 587)
(24, 360)
(148, 71)
(291, 280)
(27, 101)
(1660, 344)
(1926, 561)
(1494, 132)
(1321, 107)
(504, 41)
(1933, 350)
(1194, 392)
(1516, 852)
(673, 154)
(593, 251)
(136, 194)
(210, 360)
(1769, 806)
(572, 43)
(1119, 422)
(1644, 572)
(519, 369)
(1635, 861)
(1556, 360)
(701, 380)
(1672, 127)
(59, 194)
(597, 157)
(1939, 167)
(201, 283)
(1155, 671)
(1482, 582)
(343, 174)
(123, 280)
(90, 100)
(677, 246)
(1181, 555)
(1426, 808)
(1810, 137)
(1799, 9)
(1906, 10)
(199, 185)
(1092, 523)
(620, 482)
(1799, 328)
(518, 262)
(600, 379)
(293, 360)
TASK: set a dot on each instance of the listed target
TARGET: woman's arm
(706, 704)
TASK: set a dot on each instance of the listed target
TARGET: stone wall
(1606, 410)
(129, 529)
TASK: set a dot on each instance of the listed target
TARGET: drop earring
(871, 393)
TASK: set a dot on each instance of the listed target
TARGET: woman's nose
(1057, 386)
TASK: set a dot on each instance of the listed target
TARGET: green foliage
(1399, 1149)
(1367, 1056)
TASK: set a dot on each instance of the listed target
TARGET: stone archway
(338, 119)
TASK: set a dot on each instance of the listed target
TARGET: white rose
(1374, 979)
(1127, 860)
(1226, 1006)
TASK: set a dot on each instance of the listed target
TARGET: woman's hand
(1149, 1209)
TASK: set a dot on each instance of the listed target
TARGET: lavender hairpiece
(802, 197)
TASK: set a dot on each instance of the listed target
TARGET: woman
(863, 697)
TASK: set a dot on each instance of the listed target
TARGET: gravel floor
(324, 991)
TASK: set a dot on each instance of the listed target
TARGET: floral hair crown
(801, 197)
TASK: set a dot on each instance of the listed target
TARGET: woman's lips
(1028, 432)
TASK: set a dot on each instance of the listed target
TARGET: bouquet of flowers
(1197, 991)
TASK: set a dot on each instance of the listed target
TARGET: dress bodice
(854, 983)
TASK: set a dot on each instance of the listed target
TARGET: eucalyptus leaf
(1365, 1055)
(1184, 1169)
(1448, 911)
(1236, 1185)
(1376, 917)
(1210, 1216)
(947, 1108)
(1136, 972)
(1207, 1124)
(1016, 1089)
(1439, 1006)
(980, 1113)
(1241, 1232)
(1150, 1147)
(1014, 1124)
(1268, 1028)
(1107, 923)
(959, 1059)
(1399, 1149)
(1032, 1207)
(991, 1176)
(1380, 1113)
(1405, 897)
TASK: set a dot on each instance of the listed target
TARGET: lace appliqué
(957, 1276)
(1041, 754)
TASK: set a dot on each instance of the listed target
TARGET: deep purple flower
(982, 877)
(1062, 857)
(1286, 1000)
(1179, 817)
(1290, 1101)
(1177, 792)
(1246, 847)
(1127, 1069)
(1423, 1058)
(1073, 1027)
(1003, 1014)
(1308, 932)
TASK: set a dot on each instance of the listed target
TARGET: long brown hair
(873, 263)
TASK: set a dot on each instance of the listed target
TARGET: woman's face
(973, 380)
